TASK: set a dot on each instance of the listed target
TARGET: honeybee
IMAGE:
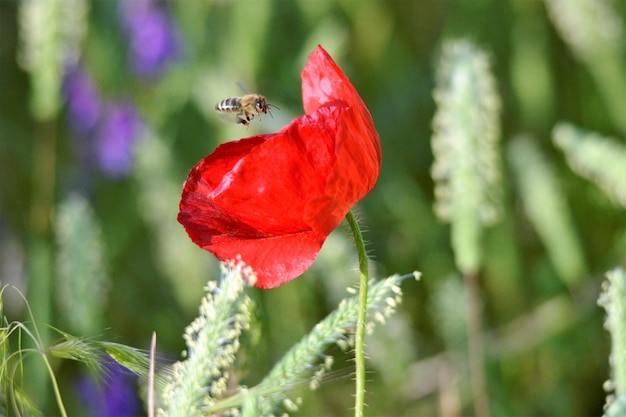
(244, 108)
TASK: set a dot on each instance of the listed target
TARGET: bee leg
(243, 119)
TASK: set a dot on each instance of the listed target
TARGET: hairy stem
(360, 325)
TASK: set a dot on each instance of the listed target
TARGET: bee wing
(243, 87)
(228, 117)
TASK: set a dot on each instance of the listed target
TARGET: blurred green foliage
(546, 352)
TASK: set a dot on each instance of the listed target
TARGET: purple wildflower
(115, 138)
(105, 133)
(154, 37)
(83, 101)
(114, 397)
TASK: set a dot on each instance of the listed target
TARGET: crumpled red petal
(273, 199)
(358, 151)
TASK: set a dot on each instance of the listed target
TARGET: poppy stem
(359, 347)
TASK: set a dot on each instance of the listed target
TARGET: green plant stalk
(40, 259)
(475, 346)
(359, 347)
(39, 267)
(55, 387)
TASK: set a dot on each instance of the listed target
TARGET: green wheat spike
(591, 28)
(597, 158)
(595, 33)
(82, 280)
(212, 342)
(547, 209)
(466, 132)
(613, 299)
(307, 360)
(135, 360)
(617, 407)
(50, 35)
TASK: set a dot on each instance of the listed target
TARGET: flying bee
(244, 108)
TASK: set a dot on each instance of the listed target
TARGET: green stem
(55, 387)
(475, 346)
(40, 253)
(360, 324)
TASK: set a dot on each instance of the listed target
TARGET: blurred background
(106, 105)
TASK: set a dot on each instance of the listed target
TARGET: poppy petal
(358, 152)
(323, 82)
(274, 259)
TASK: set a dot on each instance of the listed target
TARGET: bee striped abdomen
(229, 104)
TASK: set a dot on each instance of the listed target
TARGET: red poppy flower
(273, 199)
